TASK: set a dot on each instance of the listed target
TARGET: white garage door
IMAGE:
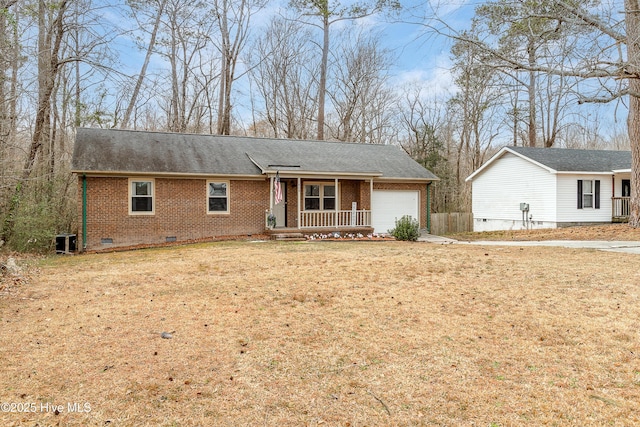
(387, 206)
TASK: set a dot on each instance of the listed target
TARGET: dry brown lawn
(597, 232)
(324, 333)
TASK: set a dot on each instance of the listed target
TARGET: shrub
(33, 228)
(41, 212)
(406, 228)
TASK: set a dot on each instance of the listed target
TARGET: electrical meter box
(524, 207)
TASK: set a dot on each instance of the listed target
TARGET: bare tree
(284, 74)
(359, 91)
(607, 54)
(233, 18)
(9, 63)
(328, 13)
(51, 30)
(530, 33)
(185, 34)
(475, 103)
(610, 54)
(426, 135)
(59, 36)
(142, 7)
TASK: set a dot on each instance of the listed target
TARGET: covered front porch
(621, 196)
(318, 204)
(620, 209)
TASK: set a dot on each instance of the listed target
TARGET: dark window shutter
(579, 194)
(596, 196)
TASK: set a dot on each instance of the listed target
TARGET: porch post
(271, 195)
(371, 201)
(299, 205)
(335, 212)
(429, 208)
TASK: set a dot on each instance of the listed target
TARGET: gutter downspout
(429, 208)
(84, 212)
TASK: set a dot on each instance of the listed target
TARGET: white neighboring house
(524, 188)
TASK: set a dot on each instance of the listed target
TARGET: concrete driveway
(632, 247)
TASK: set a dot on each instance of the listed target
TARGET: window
(319, 197)
(141, 197)
(329, 197)
(217, 197)
(311, 197)
(588, 194)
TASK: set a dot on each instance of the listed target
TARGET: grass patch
(606, 232)
(384, 333)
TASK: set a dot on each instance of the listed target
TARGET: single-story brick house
(138, 188)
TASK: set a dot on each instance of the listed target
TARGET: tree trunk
(224, 103)
(49, 46)
(322, 88)
(532, 94)
(174, 120)
(145, 65)
(49, 41)
(632, 8)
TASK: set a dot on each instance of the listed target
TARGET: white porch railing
(620, 206)
(336, 219)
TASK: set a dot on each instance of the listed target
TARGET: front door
(626, 192)
(626, 188)
(280, 210)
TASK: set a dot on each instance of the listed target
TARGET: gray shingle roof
(123, 151)
(574, 160)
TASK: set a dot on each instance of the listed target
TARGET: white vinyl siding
(568, 211)
(511, 180)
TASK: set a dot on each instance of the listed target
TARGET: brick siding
(181, 209)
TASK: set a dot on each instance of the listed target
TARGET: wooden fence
(454, 222)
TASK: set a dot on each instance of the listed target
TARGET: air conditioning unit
(65, 243)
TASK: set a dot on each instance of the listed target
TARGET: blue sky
(423, 56)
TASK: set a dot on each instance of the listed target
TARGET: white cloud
(446, 7)
(436, 79)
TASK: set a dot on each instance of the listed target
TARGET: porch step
(289, 237)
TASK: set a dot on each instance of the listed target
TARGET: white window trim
(153, 196)
(585, 194)
(218, 181)
(322, 184)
